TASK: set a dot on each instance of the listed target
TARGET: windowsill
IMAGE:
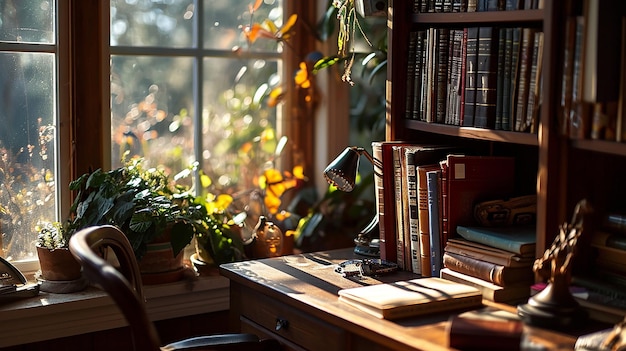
(50, 316)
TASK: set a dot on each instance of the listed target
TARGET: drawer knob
(281, 324)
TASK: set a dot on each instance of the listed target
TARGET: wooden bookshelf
(567, 170)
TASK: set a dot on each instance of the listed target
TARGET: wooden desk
(294, 299)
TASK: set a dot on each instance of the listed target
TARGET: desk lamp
(342, 174)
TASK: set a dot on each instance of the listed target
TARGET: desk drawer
(301, 329)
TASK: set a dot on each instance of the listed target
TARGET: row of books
(594, 52)
(427, 190)
(487, 77)
(442, 6)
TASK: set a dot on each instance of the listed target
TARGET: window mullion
(198, 79)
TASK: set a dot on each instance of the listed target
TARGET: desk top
(309, 283)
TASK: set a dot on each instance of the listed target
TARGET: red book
(472, 179)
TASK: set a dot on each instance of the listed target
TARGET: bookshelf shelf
(474, 133)
(602, 146)
(523, 17)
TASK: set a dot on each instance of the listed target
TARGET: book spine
(443, 189)
(458, 120)
(500, 78)
(424, 6)
(443, 38)
(412, 196)
(464, 6)
(472, 5)
(496, 274)
(400, 242)
(497, 242)
(411, 73)
(452, 114)
(486, 77)
(387, 239)
(524, 77)
(456, 5)
(503, 261)
(425, 74)
(416, 6)
(434, 220)
(515, 52)
(512, 5)
(430, 91)
(417, 108)
(424, 221)
(506, 84)
(578, 114)
(448, 113)
(568, 71)
(532, 111)
(471, 62)
(438, 5)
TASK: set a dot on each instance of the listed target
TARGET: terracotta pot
(58, 264)
(158, 265)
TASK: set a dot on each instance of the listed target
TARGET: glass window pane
(29, 21)
(164, 23)
(225, 20)
(152, 110)
(235, 116)
(27, 150)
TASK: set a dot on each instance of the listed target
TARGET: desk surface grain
(308, 283)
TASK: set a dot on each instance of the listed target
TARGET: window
(186, 86)
(61, 88)
(34, 105)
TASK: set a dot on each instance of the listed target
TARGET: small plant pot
(58, 264)
(60, 272)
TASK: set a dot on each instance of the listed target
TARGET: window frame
(83, 87)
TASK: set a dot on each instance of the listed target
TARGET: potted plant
(159, 217)
(60, 272)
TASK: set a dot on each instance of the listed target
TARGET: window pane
(164, 23)
(152, 110)
(234, 116)
(27, 21)
(225, 20)
(27, 150)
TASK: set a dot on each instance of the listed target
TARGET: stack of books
(496, 260)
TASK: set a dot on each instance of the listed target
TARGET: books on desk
(496, 260)
(412, 297)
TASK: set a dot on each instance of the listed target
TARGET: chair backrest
(123, 283)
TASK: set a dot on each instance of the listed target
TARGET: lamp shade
(342, 171)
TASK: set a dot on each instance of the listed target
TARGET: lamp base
(367, 251)
(552, 308)
(370, 250)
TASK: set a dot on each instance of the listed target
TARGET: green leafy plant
(144, 203)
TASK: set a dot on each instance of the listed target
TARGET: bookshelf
(561, 169)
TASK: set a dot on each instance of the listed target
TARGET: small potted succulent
(56, 261)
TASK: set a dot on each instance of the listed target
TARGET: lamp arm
(377, 163)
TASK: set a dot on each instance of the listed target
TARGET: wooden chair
(124, 285)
